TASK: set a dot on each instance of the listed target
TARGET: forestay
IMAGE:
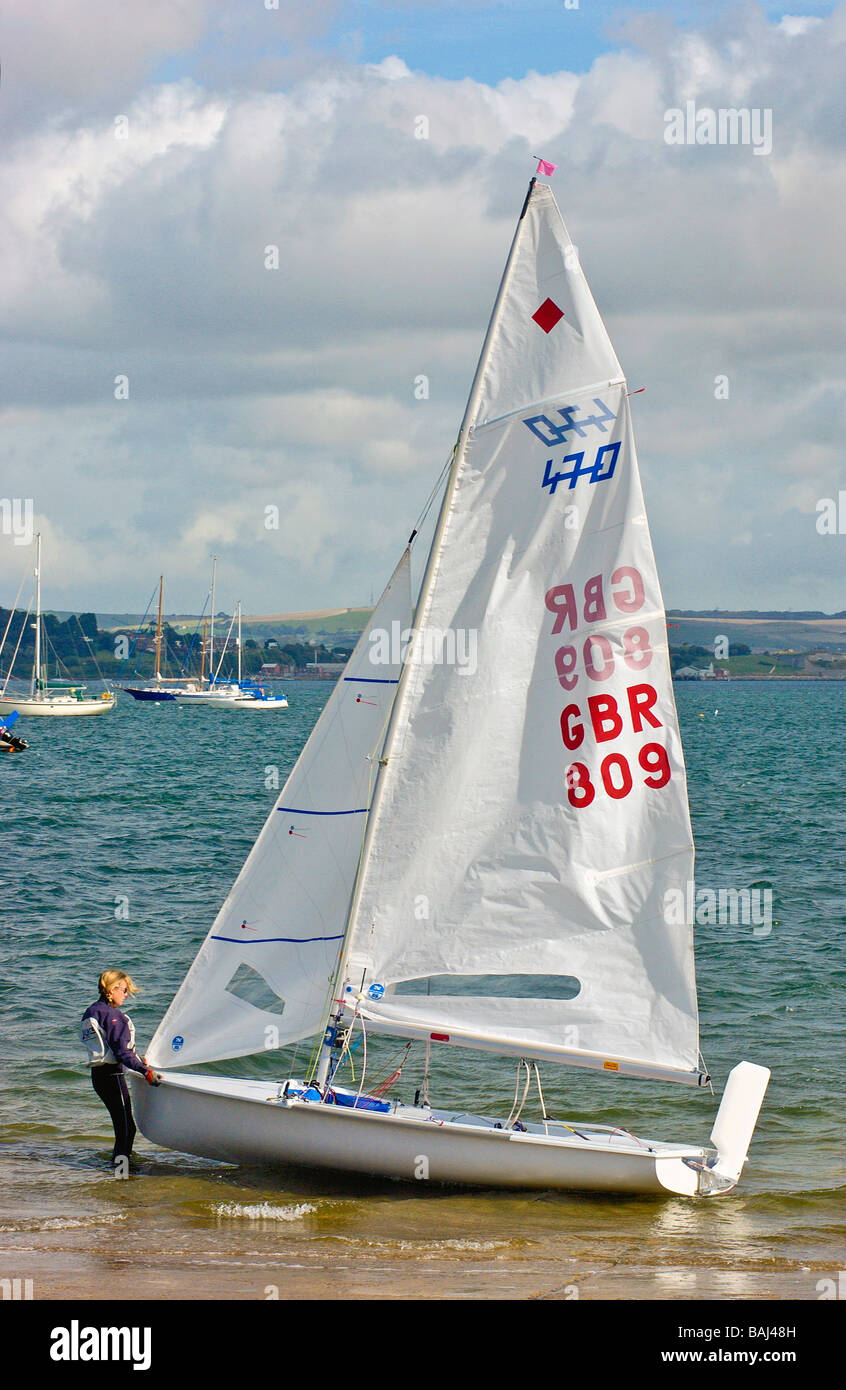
(263, 976)
(533, 813)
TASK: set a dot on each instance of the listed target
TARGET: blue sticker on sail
(376, 991)
(599, 470)
(548, 432)
(177, 1042)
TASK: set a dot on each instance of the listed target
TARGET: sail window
(495, 986)
(249, 985)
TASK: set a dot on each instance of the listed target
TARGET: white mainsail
(532, 814)
(263, 976)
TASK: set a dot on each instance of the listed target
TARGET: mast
(203, 655)
(159, 634)
(211, 646)
(239, 642)
(37, 678)
(419, 618)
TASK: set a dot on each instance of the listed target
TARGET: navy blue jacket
(109, 1036)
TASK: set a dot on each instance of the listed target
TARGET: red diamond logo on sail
(548, 315)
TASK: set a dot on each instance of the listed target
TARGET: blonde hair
(110, 978)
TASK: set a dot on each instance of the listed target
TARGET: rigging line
(620, 1130)
(13, 608)
(346, 1050)
(433, 494)
(364, 1057)
(347, 1053)
(90, 644)
(48, 647)
(513, 1119)
(547, 1121)
(372, 774)
(336, 982)
(379, 1089)
(223, 653)
(544, 1116)
(326, 1008)
(516, 1093)
(317, 1044)
(17, 645)
(192, 643)
(141, 624)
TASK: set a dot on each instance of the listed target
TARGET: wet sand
(481, 1281)
(118, 1262)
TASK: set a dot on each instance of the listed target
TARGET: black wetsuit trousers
(110, 1085)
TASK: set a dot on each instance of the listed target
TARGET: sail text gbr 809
(538, 806)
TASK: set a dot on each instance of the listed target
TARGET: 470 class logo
(599, 468)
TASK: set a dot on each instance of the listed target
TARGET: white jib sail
(264, 974)
(532, 815)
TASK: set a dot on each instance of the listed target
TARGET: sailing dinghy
(479, 858)
(56, 697)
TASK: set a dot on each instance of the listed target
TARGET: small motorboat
(9, 742)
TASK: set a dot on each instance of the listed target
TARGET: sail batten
(531, 815)
(548, 400)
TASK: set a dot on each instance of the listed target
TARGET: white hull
(270, 703)
(250, 1122)
(227, 701)
(58, 705)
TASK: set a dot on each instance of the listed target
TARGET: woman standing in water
(109, 1036)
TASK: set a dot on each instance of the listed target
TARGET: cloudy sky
(150, 154)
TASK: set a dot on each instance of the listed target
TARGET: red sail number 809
(616, 775)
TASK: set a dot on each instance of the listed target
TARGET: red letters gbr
(603, 716)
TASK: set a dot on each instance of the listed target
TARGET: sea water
(121, 837)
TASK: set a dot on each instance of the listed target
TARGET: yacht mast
(37, 677)
(419, 619)
(159, 634)
(211, 646)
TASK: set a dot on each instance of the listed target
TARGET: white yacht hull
(269, 703)
(250, 1122)
(234, 701)
(63, 706)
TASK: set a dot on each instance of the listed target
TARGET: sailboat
(243, 694)
(480, 857)
(52, 697)
(163, 688)
(214, 691)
